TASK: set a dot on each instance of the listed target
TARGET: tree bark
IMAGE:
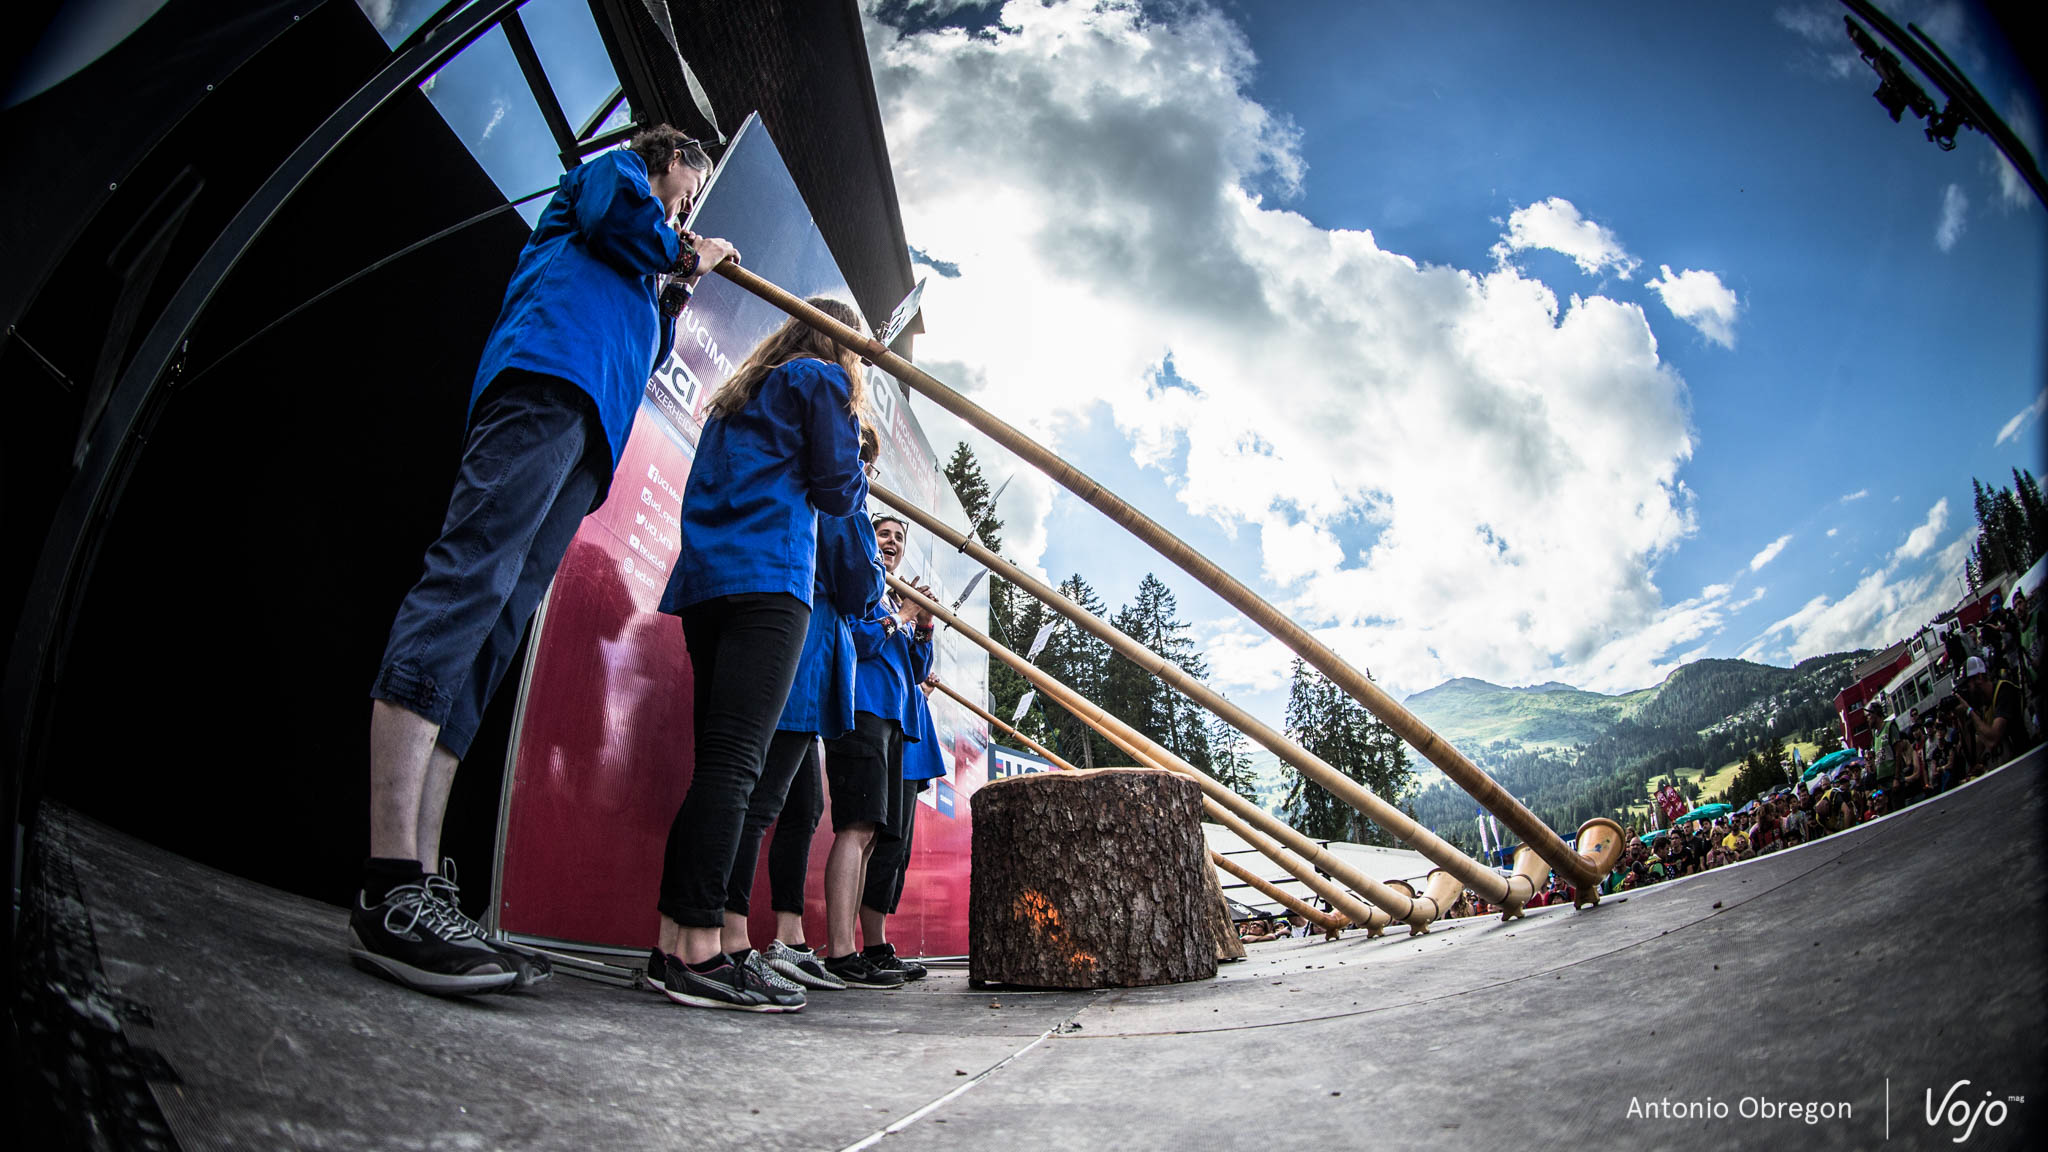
(1221, 927)
(1091, 880)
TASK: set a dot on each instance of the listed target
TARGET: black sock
(711, 965)
(879, 951)
(381, 874)
(740, 957)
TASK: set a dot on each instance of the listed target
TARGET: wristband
(686, 260)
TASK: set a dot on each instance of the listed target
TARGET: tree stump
(1090, 880)
(1221, 927)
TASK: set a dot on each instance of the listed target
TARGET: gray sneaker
(758, 965)
(801, 965)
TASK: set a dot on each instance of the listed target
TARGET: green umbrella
(1703, 812)
(1828, 761)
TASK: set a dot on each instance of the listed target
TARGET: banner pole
(1467, 775)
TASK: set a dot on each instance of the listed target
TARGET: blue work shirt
(921, 757)
(892, 665)
(581, 305)
(762, 475)
(849, 582)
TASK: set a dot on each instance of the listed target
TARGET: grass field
(1712, 783)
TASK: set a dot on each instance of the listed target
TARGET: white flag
(1045, 632)
(972, 584)
(1023, 706)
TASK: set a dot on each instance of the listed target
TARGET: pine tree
(1142, 700)
(1081, 662)
(963, 472)
(2028, 491)
(1013, 619)
(1829, 740)
(1341, 733)
(1230, 759)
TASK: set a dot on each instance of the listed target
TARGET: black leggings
(743, 655)
(790, 797)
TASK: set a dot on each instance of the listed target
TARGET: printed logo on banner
(1005, 762)
(679, 388)
(943, 798)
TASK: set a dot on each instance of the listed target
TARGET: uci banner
(602, 745)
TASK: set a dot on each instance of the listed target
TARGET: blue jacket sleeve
(869, 633)
(847, 563)
(620, 221)
(838, 483)
(920, 659)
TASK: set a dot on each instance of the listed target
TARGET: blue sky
(1798, 437)
(1504, 340)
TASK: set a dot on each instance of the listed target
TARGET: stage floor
(1870, 968)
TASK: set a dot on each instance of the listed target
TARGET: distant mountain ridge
(1570, 754)
(1469, 711)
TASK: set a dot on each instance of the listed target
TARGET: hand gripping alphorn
(1585, 874)
(1490, 885)
(1233, 811)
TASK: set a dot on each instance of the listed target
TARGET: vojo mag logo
(1963, 1109)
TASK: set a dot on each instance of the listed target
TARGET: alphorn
(991, 718)
(1151, 755)
(1376, 920)
(1315, 916)
(1321, 919)
(1475, 875)
(1482, 788)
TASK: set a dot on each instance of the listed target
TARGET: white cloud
(1769, 553)
(1921, 540)
(1819, 23)
(1858, 494)
(1453, 472)
(2019, 419)
(1701, 300)
(1556, 224)
(1884, 607)
(2012, 187)
(498, 110)
(1833, 531)
(1955, 212)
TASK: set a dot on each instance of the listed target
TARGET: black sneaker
(414, 939)
(726, 986)
(884, 956)
(857, 971)
(529, 967)
(655, 973)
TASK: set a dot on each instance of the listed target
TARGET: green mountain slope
(1571, 755)
(1474, 713)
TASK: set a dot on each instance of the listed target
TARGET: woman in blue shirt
(781, 446)
(791, 794)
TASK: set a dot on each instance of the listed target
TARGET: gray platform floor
(1869, 968)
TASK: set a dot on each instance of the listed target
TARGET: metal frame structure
(111, 439)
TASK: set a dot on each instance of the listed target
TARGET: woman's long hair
(796, 340)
